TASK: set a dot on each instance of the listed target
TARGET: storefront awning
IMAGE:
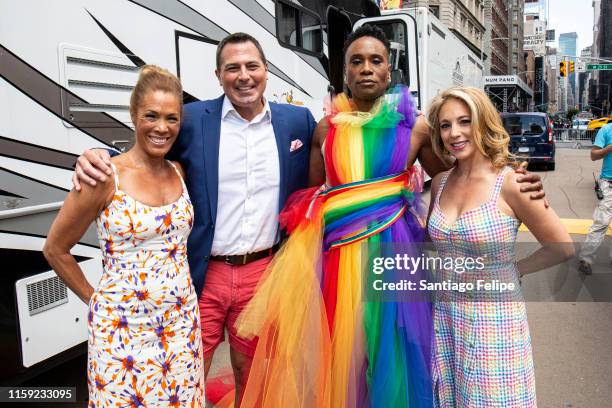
(504, 81)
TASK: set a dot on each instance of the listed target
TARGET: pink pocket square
(295, 144)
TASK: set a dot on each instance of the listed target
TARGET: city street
(571, 340)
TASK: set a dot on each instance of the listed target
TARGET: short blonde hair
(488, 132)
(154, 78)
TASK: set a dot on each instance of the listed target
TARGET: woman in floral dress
(144, 335)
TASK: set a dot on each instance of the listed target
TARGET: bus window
(298, 28)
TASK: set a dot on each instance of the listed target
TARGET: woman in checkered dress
(481, 356)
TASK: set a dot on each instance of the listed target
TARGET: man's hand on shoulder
(531, 183)
(93, 165)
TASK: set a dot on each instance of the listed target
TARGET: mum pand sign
(506, 80)
(501, 80)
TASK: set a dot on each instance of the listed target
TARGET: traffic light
(563, 69)
(571, 67)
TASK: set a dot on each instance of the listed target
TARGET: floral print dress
(145, 346)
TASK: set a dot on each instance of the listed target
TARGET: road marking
(573, 226)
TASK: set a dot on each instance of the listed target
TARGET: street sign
(581, 67)
(599, 67)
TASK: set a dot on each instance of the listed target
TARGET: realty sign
(537, 43)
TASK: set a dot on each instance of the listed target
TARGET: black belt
(239, 260)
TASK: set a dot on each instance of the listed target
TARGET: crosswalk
(573, 226)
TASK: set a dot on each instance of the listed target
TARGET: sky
(566, 16)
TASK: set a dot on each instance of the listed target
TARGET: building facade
(602, 46)
(595, 54)
(584, 78)
(534, 31)
(497, 37)
(465, 18)
(529, 74)
(552, 77)
(568, 51)
(515, 51)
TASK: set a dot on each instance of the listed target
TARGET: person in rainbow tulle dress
(321, 343)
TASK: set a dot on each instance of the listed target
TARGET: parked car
(531, 137)
(580, 124)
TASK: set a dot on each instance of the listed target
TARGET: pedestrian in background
(603, 213)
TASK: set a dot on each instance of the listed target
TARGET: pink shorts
(227, 291)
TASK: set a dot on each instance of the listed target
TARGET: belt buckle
(236, 260)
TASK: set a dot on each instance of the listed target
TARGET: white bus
(67, 68)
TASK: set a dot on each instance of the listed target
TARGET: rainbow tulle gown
(321, 343)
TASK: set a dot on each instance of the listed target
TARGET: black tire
(551, 166)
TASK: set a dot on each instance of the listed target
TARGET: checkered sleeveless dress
(144, 347)
(481, 355)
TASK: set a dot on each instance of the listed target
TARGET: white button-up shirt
(249, 182)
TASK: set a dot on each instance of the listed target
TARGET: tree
(571, 113)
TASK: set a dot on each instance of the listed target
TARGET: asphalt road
(572, 339)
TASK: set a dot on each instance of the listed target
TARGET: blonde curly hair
(488, 133)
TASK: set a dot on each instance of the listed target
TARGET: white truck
(67, 68)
